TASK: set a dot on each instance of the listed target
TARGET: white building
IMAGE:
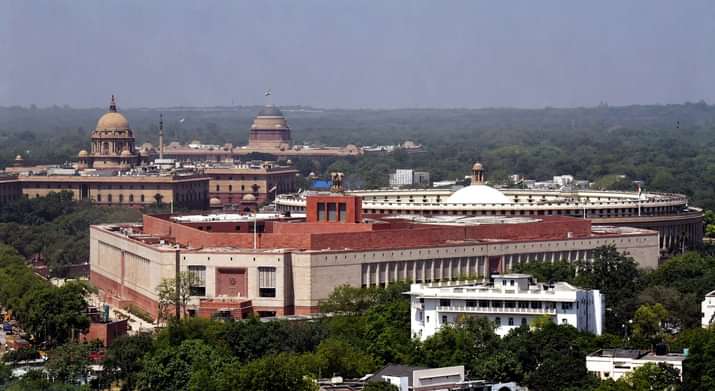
(403, 177)
(512, 300)
(614, 363)
(708, 309)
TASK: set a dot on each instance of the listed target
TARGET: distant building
(511, 301)
(408, 177)
(679, 224)
(614, 363)
(10, 188)
(246, 186)
(708, 309)
(269, 134)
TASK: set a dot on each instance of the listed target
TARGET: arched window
(99, 198)
(141, 197)
(131, 198)
(121, 198)
(109, 198)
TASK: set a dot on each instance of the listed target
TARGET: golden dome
(82, 153)
(112, 120)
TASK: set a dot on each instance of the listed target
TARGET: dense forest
(669, 147)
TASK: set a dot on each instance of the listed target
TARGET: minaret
(113, 105)
(161, 136)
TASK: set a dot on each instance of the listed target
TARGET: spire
(161, 136)
(113, 105)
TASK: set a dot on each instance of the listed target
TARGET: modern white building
(614, 363)
(511, 301)
(708, 309)
(408, 177)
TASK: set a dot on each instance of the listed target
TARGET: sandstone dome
(214, 202)
(83, 153)
(478, 194)
(126, 153)
(112, 120)
(249, 198)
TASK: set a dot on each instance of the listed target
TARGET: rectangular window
(566, 306)
(444, 319)
(471, 303)
(321, 212)
(536, 305)
(342, 211)
(332, 212)
(445, 302)
(198, 274)
(267, 281)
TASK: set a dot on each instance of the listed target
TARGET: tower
(161, 136)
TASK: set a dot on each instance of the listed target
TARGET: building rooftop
(635, 354)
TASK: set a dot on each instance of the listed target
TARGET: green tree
(55, 315)
(5, 375)
(699, 368)
(185, 367)
(548, 271)
(123, 359)
(277, 372)
(618, 278)
(166, 291)
(654, 377)
(648, 323)
(338, 358)
(69, 363)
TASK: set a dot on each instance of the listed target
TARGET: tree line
(371, 328)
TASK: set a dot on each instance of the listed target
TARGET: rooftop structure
(680, 226)
(614, 363)
(282, 265)
(510, 301)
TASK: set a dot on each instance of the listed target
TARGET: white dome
(478, 194)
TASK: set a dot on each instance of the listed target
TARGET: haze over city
(357, 54)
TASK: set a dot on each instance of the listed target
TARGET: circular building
(680, 226)
(269, 130)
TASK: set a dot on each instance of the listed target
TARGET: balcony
(497, 310)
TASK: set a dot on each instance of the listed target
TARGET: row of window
(254, 187)
(508, 304)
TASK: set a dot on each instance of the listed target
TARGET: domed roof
(270, 111)
(477, 166)
(215, 202)
(249, 198)
(112, 120)
(82, 153)
(126, 153)
(478, 194)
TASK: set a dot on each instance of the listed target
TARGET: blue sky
(357, 54)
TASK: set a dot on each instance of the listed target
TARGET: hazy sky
(351, 54)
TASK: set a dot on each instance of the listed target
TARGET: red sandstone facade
(290, 264)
